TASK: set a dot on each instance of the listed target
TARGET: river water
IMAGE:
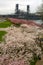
(38, 21)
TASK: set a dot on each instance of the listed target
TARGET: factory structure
(23, 15)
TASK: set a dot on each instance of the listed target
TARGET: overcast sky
(8, 6)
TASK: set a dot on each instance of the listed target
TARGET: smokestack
(27, 8)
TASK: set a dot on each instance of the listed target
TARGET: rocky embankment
(20, 45)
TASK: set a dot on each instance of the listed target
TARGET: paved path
(3, 29)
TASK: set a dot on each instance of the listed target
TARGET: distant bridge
(23, 15)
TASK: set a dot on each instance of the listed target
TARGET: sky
(8, 6)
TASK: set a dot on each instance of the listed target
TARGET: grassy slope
(5, 24)
(2, 33)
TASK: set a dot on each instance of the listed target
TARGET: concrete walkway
(4, 29)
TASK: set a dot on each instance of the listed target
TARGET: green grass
(2, 33)
(5, 24)
(35, 59)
